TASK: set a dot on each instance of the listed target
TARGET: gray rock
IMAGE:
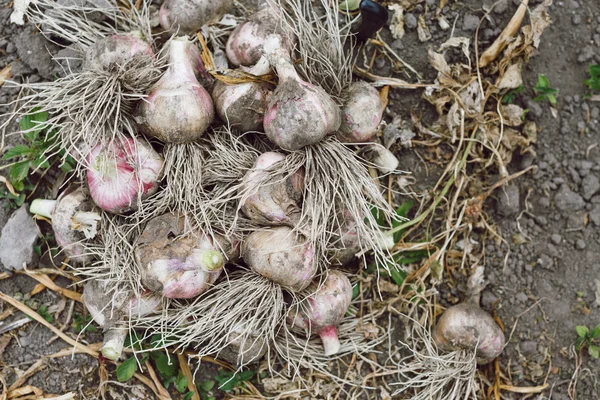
(580, 244)
(508, 201)
(556, 239)
(535, 109)
(410, 21)
(501, 7)
(589, 186)
(586, 54)
(595, 215)
(567, 200)
(545, 261)
(576, 19)
(488, 299)
(522, 297)
(35, 51)
(18, 237)
(470, 22)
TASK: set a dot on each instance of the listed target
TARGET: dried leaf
(383, 95)
(512, 77)
(397, 22)
(512, 115)
(597, 293)
(423, 30)
(462, 42)
(5, 74)
(540, 20)
(472, 98)
(438, 62)
(453, 119)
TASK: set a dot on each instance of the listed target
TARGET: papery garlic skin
(299, 113)
(325, 309)
(176, 262)
(116, 50)
(276, 202)
(361, 114)
(281, 255)
(177, 109)
(123, 172)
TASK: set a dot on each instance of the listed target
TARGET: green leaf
(17, 151)
(246, 375)
(595, 332)
(33, 122)
(542, 82)
(168, 380)
(188, 396)
(18, 172)
(349, 5)
(133, 341)
(181, 382)
(397, 275)
(207, 386)
(594, 351)
(126, 369)
(20, 199)
(551, 99)
(355, 291)
(41, 162)
(166, 365)
(537, 99)
(582, 331)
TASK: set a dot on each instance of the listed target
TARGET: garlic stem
(114, 339)
(330, 340)
(42, 207)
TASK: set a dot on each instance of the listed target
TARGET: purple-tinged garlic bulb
(466, 326)
(361, 114)
(116, 49)
(176, 262)
(325, 309)
(121, 173)
(74, 221)
(281, 255)
(246, 41)
(243, 105)
(299, 113)
(177, 109)
(272, 203)
(188, 16)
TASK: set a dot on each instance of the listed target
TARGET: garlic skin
(385, 161)
(116, 50)
(188, 16)
(277, 203)
(466, 326)
(175, 262)
(325, 309)
(177, 109)
(122, 173)
(281, 255)
(243, 105)
(299, 113)
(245, 42)
(74, 221)
(361, 114)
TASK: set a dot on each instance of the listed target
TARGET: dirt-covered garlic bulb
(275, 201)
(116, 50)
(188, 16)
(246, 41)
(466, 326)
(361, 113)
(177, 109)
(281, 255)
(242, 106)
(325, 309)
(123, 172)
(299, 113)
(177, 262)
(112, 310)
(74, 218)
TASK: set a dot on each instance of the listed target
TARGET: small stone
(586, 54)
(508, 201)
(589, 186)
(501, 7)
(522, 297)
(580, 244)
(594, 215)
(18, 237)
(410, 21)
(11, 48)
(544, 202)
(535, 109)
(528, 347)
(35, 51)
(488, 299)
(545, 261)
(576, 19)
(567, 200)
(470, 22)
(556, 239)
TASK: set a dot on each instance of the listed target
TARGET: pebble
(535, 109)
(580, 244)
(18, 237)
(522, 297)
(576, 19)
(567, 200)
(544, 202)
(556, 238)
(586, 54)
(589, 186)
(594, 215)
(410, 21)
(501, 7)
(508, 201)
(470, 22)
(528, 347)
(11, 48)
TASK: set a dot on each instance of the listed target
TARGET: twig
(185, 369)
(46, 281)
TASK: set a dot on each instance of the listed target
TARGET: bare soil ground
(544, 275)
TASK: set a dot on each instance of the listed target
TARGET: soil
(543, 277)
